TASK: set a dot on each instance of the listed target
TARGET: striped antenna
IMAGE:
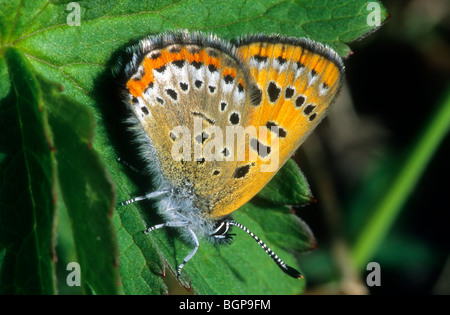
(283, 266)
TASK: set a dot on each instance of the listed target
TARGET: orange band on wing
(137, 87)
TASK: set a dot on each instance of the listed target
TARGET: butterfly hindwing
(296, 80)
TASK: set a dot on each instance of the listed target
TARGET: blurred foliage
(381, 176)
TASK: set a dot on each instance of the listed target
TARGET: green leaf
(243, 267)
(79, 58)
(27, 186)
(87, 190)
(288, 186)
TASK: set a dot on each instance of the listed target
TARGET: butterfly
(214, 122)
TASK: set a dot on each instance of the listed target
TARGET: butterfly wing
(195, 95)
(297, 80)
(186, 90)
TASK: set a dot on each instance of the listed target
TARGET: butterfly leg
(191, 254)
(167, 224)
(144, 197)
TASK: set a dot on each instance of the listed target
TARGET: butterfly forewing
(192, 92)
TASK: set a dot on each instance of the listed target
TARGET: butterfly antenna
(283, 266)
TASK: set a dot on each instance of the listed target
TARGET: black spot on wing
(228, 79)
(197, 65)
(175, 49)
(184, 86)
(300, 101)
(308, 109)
(198, 84)
(273, 91)
(281, 60)
(288, 93)
(234, 118)
(178, 63)
(212, 68)
(240, 88)
(242, 171)
(172, 93)
(161, 69)
(223, 106)
(259, 58)
(155, 55)
(300, 65)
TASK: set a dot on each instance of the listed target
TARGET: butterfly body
(215, 121)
